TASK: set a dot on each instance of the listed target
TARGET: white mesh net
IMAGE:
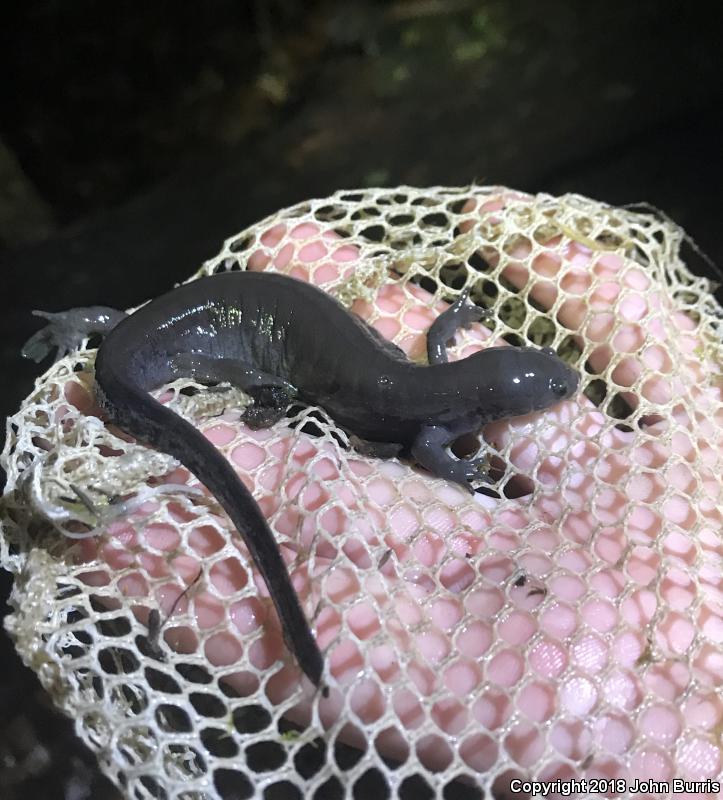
(567, 624)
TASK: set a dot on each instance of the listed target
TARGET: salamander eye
(557, 387)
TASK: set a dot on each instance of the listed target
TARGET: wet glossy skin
(279, 338)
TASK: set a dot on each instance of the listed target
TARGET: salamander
(281, 339)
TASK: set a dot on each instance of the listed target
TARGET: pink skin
(488, 618)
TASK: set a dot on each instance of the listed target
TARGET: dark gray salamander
(279, 338)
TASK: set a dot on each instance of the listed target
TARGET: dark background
(134, 138)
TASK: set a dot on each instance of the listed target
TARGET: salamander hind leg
(270, 404)
(430, 451)
(271, 394)
(461, 314)
(66, 330)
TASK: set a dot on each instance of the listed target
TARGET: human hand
(570, 627)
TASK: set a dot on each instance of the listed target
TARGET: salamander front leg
(66, 330)
(461, 314)
(430, 451)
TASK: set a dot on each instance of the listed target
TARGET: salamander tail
(138, 413)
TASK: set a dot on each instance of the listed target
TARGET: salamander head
(525, 379)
